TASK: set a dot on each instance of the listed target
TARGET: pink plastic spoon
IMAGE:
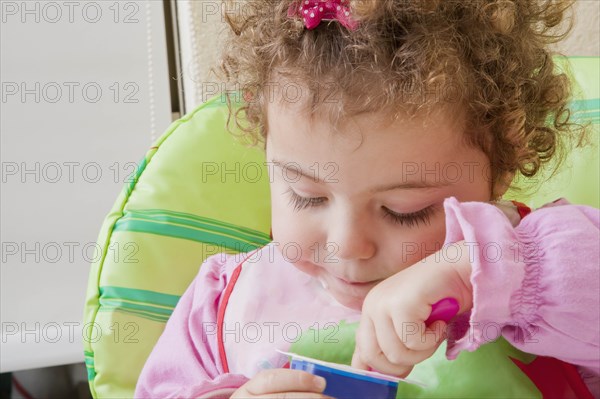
(444, 309)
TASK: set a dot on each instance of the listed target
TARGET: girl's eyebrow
(406, 185)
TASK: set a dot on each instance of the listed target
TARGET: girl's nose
(350, 239)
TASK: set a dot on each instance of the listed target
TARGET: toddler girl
(392, 129)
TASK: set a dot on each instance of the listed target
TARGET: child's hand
(282, 383)
(391, 337)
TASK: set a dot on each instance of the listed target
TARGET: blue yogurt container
(345, 382)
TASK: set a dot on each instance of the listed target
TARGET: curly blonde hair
(490, 58)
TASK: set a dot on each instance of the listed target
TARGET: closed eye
(299, 203)
(409, 219)
(404, 219)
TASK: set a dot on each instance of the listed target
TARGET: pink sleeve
(537, 284)
(185, 362)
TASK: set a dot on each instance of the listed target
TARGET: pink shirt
(538, 283)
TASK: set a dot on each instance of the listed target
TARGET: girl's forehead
(298, 117)
(368, 137)
(412, 152)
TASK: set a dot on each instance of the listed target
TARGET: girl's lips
(356, 283)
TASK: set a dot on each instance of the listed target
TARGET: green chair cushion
(199, 191)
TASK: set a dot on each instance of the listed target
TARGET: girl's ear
(501, 185)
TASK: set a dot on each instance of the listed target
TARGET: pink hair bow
(315, 11)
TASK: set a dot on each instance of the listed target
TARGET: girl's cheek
(296, 234)
(408, 246)
(287, 225)
(281, 211)
(307, 267)
(429, 241)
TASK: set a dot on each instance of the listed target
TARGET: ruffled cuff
(537, 285)
(504, 270)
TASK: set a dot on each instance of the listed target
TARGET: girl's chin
(349, 302)
(343, 297)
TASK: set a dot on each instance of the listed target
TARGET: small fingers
(357, 361)
(395, 345)
(368, 352)
(394, 349)
(391, 344)
(416, 337)
(284, 380)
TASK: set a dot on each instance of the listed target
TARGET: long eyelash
(301, 203)
(410, 219)
(405, 219)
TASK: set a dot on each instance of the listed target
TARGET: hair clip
(315, 11)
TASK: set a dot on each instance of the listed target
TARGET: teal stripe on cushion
(202, 223)
(120, 304)
(145, 315)
(182, 232)
(586, 110)
(145, 296)
(150, 305)
(89, 365)
(592, 104)
(212, 235)
(202, 219)
(129, 186)
(588, 115)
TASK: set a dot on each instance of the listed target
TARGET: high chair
(200, 191)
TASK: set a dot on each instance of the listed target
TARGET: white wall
(584, 40)
(84, 93)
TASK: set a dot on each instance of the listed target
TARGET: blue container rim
(347, 374)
